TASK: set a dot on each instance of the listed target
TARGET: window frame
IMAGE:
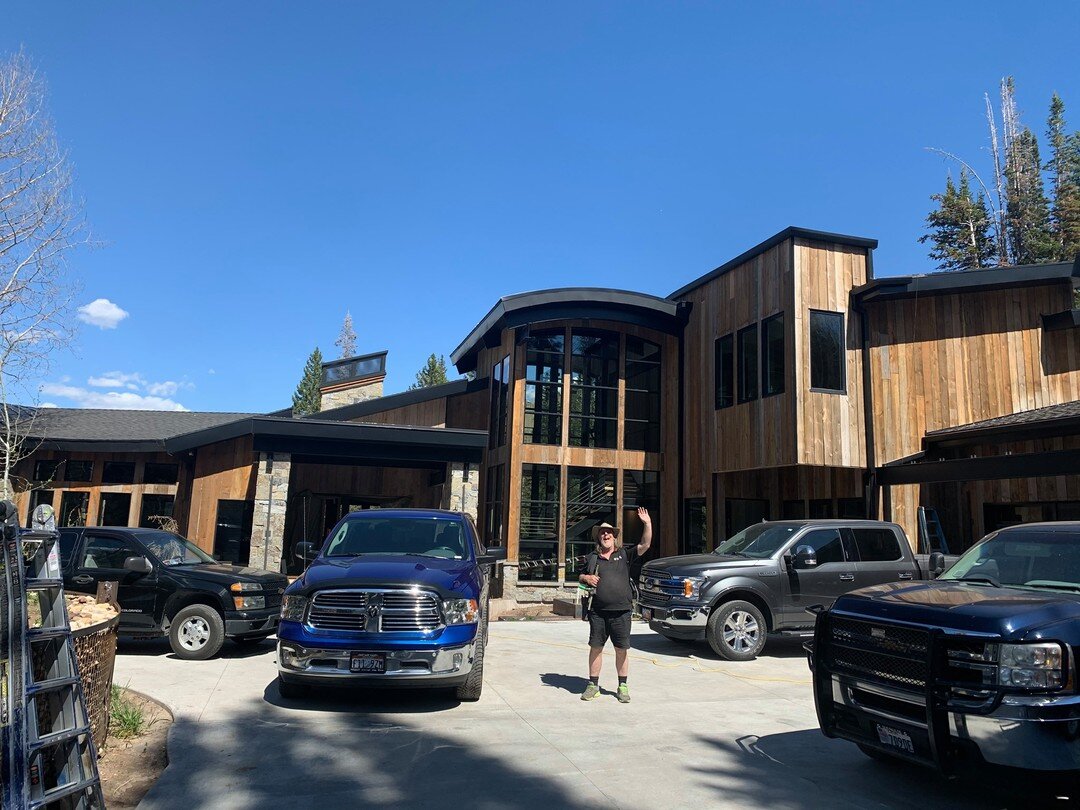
(742, 366)
(843, 351)
(719, 374)
(602, 426)
(764, 355)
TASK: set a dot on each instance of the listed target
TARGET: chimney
(352, 379)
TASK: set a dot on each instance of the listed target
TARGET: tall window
(543, 388)
(114, 509)
(694, 515)
(155, 506)
(232, 534)
(827, 351)
(642, 395)
(73, 508)
(590, 501)
(594, 389)
(539, 523)
(500, 385)
(493, 519)
(748, 363)
(772, 355)
(724, 370)
(640, 488)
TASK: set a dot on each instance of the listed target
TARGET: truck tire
(291, 691)
(474, 684)
(196, 633)
(736, 631)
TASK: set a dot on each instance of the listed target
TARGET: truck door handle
(82, 579)
(905, 576)
(847, 577)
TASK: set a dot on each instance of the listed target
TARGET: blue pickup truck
(395, 597)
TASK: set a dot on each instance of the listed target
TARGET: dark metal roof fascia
(101, 445)
(1000, 278)
(1016, 431)
(570, 298)
(399, 400)
(791, 232)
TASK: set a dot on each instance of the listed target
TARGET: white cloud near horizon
(120, 400)
(102, 313)
(116, 379)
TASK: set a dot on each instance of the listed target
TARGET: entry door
(833, 576)
(102, 560)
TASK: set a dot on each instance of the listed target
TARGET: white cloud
(164, 389)
(103, 313)
(117, 379)
(48, 405)
(121, 400)
(211, 371)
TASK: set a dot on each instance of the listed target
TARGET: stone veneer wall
(361, 392)
(530, 591)
(271, 502)
(461, 493)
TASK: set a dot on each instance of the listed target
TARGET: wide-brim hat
(596, 530)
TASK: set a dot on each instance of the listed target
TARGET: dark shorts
(613, 624)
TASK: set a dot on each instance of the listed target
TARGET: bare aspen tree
(40, 222)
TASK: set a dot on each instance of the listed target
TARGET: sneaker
(591, 691)
(624, 693)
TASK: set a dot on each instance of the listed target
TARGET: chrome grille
(658, 587)
(375, 611)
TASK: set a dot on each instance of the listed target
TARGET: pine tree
(959, 229)
(307, 398)
(433, 373)
(346, 341)
(1064, 169)
(1027, 211)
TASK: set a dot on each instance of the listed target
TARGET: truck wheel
(291, 691)
(736, 631)
(196, 633)
(474, 684)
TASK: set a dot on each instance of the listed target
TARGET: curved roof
(568, 303)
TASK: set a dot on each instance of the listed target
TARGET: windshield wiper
(980, 578)
(1055, 586)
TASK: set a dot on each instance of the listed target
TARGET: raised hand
(643, 515)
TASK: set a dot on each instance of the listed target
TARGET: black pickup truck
(978, 666)
(169, 586)
(762, 580)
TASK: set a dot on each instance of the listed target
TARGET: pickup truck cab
(762, 580)
(169, 586)
(395, 597)
(978, 666)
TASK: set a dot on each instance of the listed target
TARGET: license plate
(646, 614)
(367, 662)
(894, 738)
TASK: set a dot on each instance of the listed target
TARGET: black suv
(168, 585)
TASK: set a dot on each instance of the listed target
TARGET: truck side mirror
(306, 551)
(492, 554)
(805, 557)
(937, 563)
(140, 565)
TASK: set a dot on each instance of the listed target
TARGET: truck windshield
(424, 536)
(172, 549)
(758, 541)
(1022, 559)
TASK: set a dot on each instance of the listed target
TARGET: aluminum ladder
(49, 758)
(930, 531)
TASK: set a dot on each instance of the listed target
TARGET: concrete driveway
(700, 732)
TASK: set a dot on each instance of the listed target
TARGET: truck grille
(657, 588)
(880, 652)
(360, 611)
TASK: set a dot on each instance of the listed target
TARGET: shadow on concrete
(354, 700)
(574, 684)
(804, 769)
(160, 646)
(775, 647)
(260, 758)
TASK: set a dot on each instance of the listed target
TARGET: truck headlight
(461, 611)
(691, 587)
(1031, 666)
(293, 607)
(247, 602)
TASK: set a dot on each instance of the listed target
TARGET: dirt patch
(129, 767)
(541, 612)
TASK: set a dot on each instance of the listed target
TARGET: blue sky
(255, 169)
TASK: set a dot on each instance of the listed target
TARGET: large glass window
(232, 534)
(827, 351)
(590, 501)
(159, 473)
(494, 499)
(115, 508)
(155, 506)
(594, 389)
(640, 488)
(544, 357)
(748, 363)
(500, 386)
(724, 371)
(694, 519)
(642, 418)
(539, 523)
(772, 355)
(118, 472)
(73, 509)
(743, 512)
(78, 470)
(46, 470)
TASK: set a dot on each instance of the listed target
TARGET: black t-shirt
(613, 591)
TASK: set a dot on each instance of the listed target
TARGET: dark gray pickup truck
(763, 579)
